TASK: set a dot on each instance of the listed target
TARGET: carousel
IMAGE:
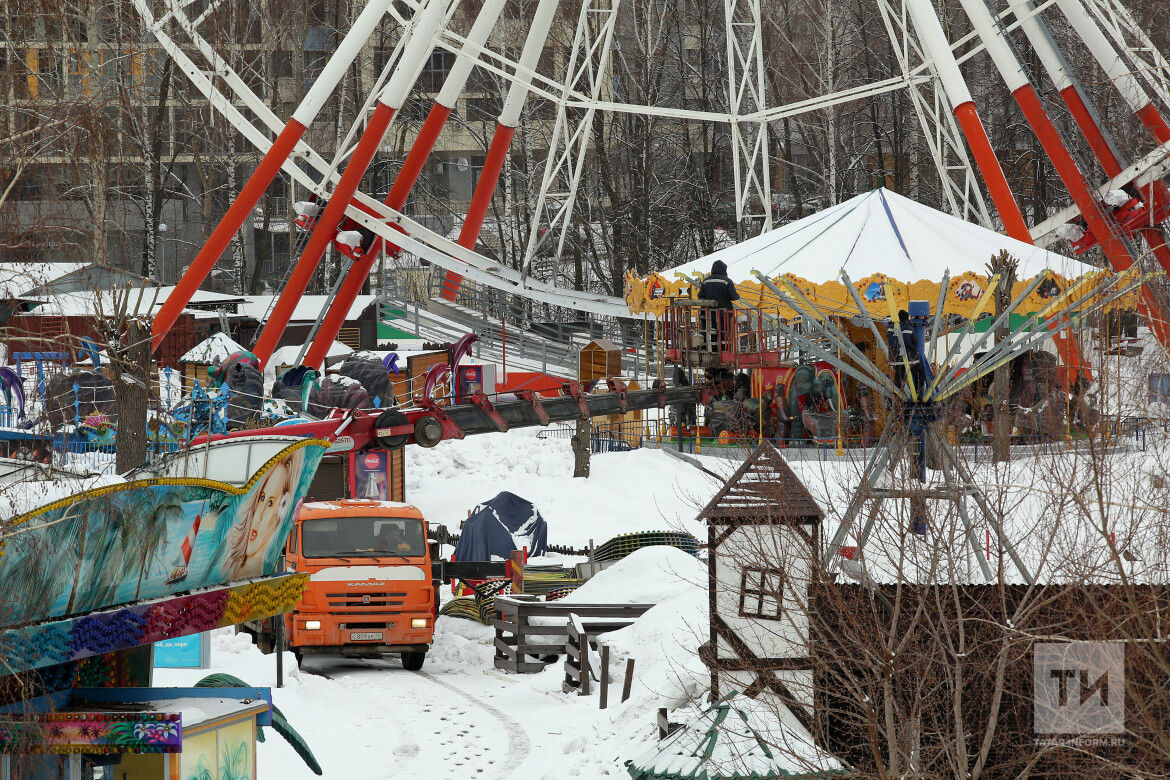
(892, 305)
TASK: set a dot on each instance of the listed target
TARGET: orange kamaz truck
(370, 589)
(374, 581)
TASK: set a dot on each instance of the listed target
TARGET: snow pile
(664, 645)
(627, 491)
(460, 645)
(650, 575)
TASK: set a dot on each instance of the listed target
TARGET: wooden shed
(599, 359)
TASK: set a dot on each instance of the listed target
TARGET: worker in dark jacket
(717, 325)
(717, 287)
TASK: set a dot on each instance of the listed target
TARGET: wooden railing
(515, 653)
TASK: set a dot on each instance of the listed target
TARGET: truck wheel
(412, 662)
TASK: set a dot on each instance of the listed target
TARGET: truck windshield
(330, 537)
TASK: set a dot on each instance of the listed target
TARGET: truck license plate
(359, 636)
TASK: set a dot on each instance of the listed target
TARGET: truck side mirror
(434, 548)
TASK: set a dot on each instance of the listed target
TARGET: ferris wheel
(1117, 204)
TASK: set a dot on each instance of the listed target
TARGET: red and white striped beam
(497, 152)
(1115, 68)
(414, 55)
(407, 177)
(934, 41)
(1156, 197)
(1116, 252)
(269, 166)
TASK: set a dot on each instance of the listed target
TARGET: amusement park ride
(1118, 205)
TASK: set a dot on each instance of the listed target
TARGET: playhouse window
(760, 593)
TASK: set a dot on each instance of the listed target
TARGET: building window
(760, 593)
(283, 65)
(434, 72)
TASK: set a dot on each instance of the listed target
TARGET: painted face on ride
(273, 504)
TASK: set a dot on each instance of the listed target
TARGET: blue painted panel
(183, 652)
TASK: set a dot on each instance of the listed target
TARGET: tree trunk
(132, 392)
(1001, 419)
(580, 442)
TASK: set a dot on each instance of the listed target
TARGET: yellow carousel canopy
(885, 243)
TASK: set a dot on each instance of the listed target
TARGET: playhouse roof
(218, 346)
(882, 232)
(307, 309)
(735, 739)
(763, 487)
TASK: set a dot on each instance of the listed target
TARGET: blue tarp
(499, 526)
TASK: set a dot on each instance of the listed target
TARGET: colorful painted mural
(149, 539)
(128, 732)
(55, 642)
(198, 760)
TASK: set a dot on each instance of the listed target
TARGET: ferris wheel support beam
(269, 166)
(1117, 254)
(746, 87)
(1145, 59)
(1115, 68)
(933, 39)
(944, 140)
(569, 144)
(1029, 103)
(406, 178)
(1155, 196)
(497, 153)
(389, 102)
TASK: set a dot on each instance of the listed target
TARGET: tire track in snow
(518, 742)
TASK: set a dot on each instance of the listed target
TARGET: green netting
(620, 546)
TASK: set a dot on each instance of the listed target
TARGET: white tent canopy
(878, 232)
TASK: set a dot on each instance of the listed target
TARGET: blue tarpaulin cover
(499, 526)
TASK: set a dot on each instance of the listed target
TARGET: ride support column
(269, 166)
(407, 177)
(389, 102)
(509, 117)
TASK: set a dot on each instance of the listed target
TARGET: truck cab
(370, 589)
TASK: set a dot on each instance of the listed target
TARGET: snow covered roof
(214, 348)
(735, 738)
(307, 308)
(89, 302)
(19, 279)
(286, 356)
(883, 232)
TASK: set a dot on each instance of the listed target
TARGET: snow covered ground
(460, 717)
(626, 491)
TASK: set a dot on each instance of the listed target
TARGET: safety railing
(699, 335)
